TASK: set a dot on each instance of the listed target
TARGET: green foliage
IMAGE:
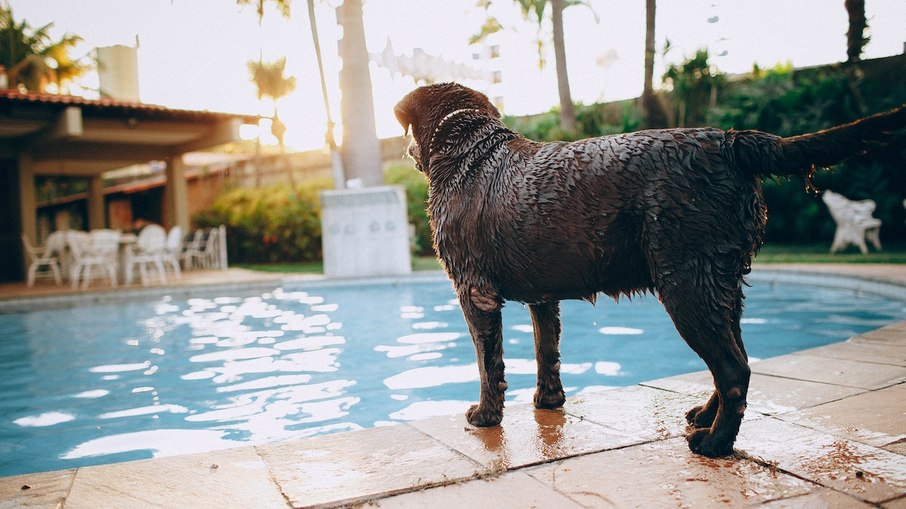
(597, 119)
(272, 224)
(279, 224)
(404, 174)
(695, 85)
(789, 102)
(27, 53)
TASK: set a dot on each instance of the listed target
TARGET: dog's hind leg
(702, 301)
(485, 328)
(703, 416)
(546, 322)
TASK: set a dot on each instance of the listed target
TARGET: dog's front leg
(546, 322)
(485, 327)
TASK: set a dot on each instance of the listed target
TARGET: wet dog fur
(676, 212)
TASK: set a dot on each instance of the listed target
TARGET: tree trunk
(361, 150)
(567, 114)
(337, 171)
(855, 38)
(653, 113)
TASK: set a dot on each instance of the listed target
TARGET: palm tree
(536, 9)
(855, 42)
(361, 149)
(855, 38)
(270, 81)
(652, 111)
(32, 59)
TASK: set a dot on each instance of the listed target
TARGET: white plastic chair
(205, 251)
(44, 257)
(192, 245)
(855, 223)
(97, 249)
(148, 249)
(173, 250)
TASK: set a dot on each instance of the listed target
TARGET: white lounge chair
(855, 223)
(148, 250)
(44, 257)
(204, 252)
(97, 249)
(173, 250)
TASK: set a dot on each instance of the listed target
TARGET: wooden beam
(224, 131)
(101, 152)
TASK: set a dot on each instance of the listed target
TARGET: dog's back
(568, 220)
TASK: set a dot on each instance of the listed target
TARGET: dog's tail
(765, 154)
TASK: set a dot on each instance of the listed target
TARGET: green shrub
(403, 173)
(271, 224)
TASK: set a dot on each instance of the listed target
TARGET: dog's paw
(548, 400)
(702, 441)
(483, 417)
(700, 416)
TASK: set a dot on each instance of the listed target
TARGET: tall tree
(855, 34)
(652, 111)
(361, 149)
(535, 10)
(33, 60)
(855, 43)
(270, 81)
(567, 113)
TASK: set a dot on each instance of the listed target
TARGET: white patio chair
(148, 250)
(43, 257)
(855, 223)
(192, 244)
(205, 253)
(173, 250)
(98, 249)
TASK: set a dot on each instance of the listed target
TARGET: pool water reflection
(104, 383)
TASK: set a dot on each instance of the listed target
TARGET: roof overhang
(77, 137)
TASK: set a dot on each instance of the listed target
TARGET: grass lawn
(770, 253)
(819, 253)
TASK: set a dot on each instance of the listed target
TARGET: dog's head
(424, 108)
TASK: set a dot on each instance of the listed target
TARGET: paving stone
(666, 474)
(645, 412)
(513, 489)
(45, 489)
(899, 503)
(525, 437)
(823, 498)
(860, 470)
(768, 395)
(848, 373)
(875, 418)
(223, 479)
(363, 465)
(893, 334)
(865, 351)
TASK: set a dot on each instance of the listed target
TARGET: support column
(27, 209)
(97, 209)
(176, 193)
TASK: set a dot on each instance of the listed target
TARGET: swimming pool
(104, 383)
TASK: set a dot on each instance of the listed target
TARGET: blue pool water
(104, 383)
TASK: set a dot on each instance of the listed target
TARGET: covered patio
(69, 136)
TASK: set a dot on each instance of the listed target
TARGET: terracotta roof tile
(14, 96)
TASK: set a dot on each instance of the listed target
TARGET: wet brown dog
(677, 211)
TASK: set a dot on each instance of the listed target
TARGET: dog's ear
(403, 116)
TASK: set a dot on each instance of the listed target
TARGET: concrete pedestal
(365, 232)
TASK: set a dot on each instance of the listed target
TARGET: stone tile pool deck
(825, 427)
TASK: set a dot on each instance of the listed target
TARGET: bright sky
(193, 54)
